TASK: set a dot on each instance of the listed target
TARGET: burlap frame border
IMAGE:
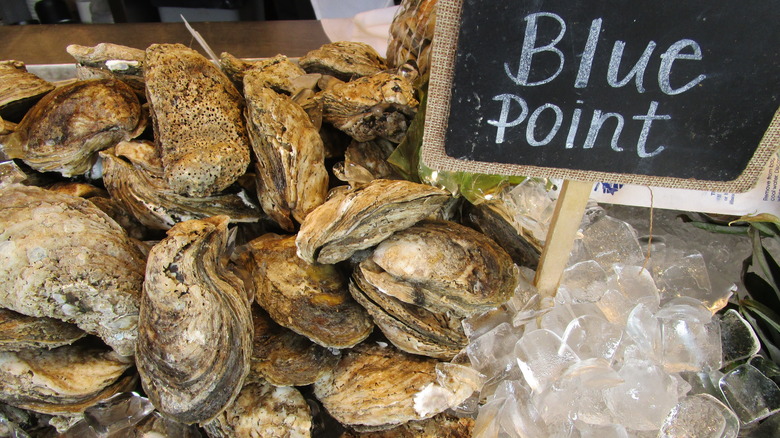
(445, 44)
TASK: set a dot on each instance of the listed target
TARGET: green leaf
(765, 313)
(722, 229)
(767, 265)
(762, 217)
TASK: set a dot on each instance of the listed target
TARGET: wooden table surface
(45, 44)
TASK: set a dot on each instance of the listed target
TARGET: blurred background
(25, 12)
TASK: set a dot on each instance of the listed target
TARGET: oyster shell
(64, 258)
(283, 357)
(411, 328)
(263, 410)
(22, 332)
(494, 220)
(133, 175)
(199, 128)
(310, 299)
(351, 220)
(345, 60)
(366, 161)
(277, 73)
(195, 327)
(443, 267)
(62, 381)
(107, 60)
(291, 176)
(19, 89)
(374, 387)
(381, 105)
(65, 129)
(439, 426)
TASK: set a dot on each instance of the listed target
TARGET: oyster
(439, 426)
(494, 220)
(19, 89)
(345, 60)
(263, 410)
(64, 258)
(409, 327)
(443, 267)
(291, 176)
(310, 299)
(107, 60)
(199, 128)
(65, 129)
(283, 357)
(133, 175)
(22, 332)
(381, 105)
(195, 326)
(351, 220)
(277, 73)
(366, 161)
(374, 387)
(62, 381)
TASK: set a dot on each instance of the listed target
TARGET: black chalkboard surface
(670, 88)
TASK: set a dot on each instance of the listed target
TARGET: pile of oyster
(229, 241)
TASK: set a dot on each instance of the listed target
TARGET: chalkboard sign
(676, 93)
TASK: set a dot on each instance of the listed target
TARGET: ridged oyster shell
(22, 332)
(381, 105)
(197, 117)
(310, 299)
(291, 176)
(195, 327)
(19, 89)
(264, 410)
(440, 426)
(351, 220)
(283, 357)
(345, 60)
(132, 173)
(107, 60)
(374, 387)
(64, 258)
(443, 267)
(62, 381)
(67, 127)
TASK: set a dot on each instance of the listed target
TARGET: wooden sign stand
(566, 220)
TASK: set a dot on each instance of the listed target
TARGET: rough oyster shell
(63, 381)
(411, 328)
(277, 73)
(310, 299)
(381, 105)
(374, 387)
(263, 410)
(351, 220)
(345, 60)
(366, 161)
(22, 332)
(139, 186)
(291, 176)
(110, 60)
(19, 89)
(195, 327)
(64, 258)
(197, 117)
(439, 426)
(65, 129)
(494, 220)
(283, 357)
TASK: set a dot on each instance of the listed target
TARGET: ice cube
(688, 277)
(542, 357)
(752, 395)
(477, 325)
(609, 241)
(645, 397)
(689, 345)
(559, 317)
(518, 416)
(770, 427)
(583, 282)
(601, 431)
(704, 382)
(592, 336)
(615, 306)
(487, 424)
(492, 352)
(118, 412)
(738, 339)
(637, 285)
(700, 416)
(644, 329)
